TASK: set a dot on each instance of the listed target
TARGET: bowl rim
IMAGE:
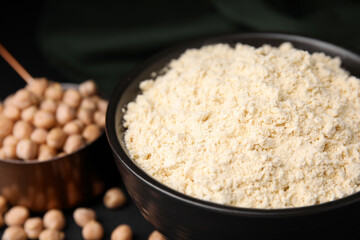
(141, 175)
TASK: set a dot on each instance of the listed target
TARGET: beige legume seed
(89, 104)
(72, 98)
(46, 152)
(54, 219)
(14, 233)
(28, 113)
(3, 205)
(48, 105)
(88, 88)
(73, 143)
(16, 216)
(83, 215)
(2, 154)
(26, 149)
(6, 127)
(114, 198)
(64, 113)
(93, 230)
(85, 116)
(91, 132)
(56, 138)
(23, 99)
(9, 152)
(44, 119)
(8, 100)
(100, 118)
(38, 86)
(155, 235)
(122, 232)
(10, 141)
(102, 105)
(33, 227)
(51, 234)
(22, 129)
(54, 91)
(39, 135)
(73, 127)
(12, 113)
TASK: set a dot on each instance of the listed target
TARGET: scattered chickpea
(56, 138)
(114, 198)
(3, 205)
(73, 143)
(85, 116)
(73, 127)
(12, 112)
(93, 230)
(28, 114)
(88, 88)
(72, 98)
(89, 104)
(122, 232)
(51, 234)
(83, 215)
(100, 118)
(14, 233)
(155, 235)
(46, 152)
(44, 119)
(26, 149)
(38, 86)
(9, 152)
(23, 99)
(102, 105)
(64, 113)
(33, 227)
(54, 219)
(16, 216)
(48, 105)
(22, 129)
(39, 135)
(54, 91)
(9, 100)
(6, 127)
(91, 132)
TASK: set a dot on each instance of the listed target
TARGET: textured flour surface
(251, 127)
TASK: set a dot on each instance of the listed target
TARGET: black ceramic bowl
(178, 216)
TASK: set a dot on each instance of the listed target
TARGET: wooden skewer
(15, 64)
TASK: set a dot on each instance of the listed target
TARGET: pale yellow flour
(250, 127)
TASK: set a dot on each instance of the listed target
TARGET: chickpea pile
(43, 120)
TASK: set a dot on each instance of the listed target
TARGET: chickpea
(48, 105)
(39, 135)
(2, 154)
(38, 86)
(89, 104)
(64, 113)
(54, 219)
(44, 119)
(88, 88)
(12, 112)
(23, 99)
(54, 91)
(28, 114)
(93, 230)
(6, 127)
(9, 152)
(51, 234)
(122, 232)
(10, 141)
(85, 116)
(73, 127)
(56, 138)
(91, 132)
(61, 154)
(33, 227)
(102, 105)
(22, 129)
(155, 235)
(3, 205)
(26, 149)
(46, 153)
(73, 143)
(72, 98)
(114, 198)
(16, 216)
(83, 215)
(14, 233)
(100, 119)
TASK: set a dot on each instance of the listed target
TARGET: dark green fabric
(103, 40)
